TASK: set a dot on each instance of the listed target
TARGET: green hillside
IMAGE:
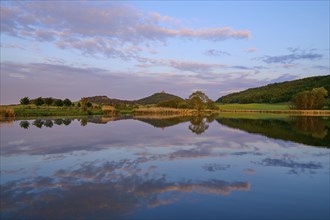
(276, 92)
(105, 100)
(156, 98)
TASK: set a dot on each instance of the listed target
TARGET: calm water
(174, 168)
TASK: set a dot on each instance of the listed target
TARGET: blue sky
(130, 50)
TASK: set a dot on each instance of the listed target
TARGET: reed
(6, 112)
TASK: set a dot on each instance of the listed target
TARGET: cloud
(283, 78)
(216, 53)
(320, 67)
(196, 67)
(248, 68)
(110, 190)
(12, 46)
(109, 29)
(251, 50)
(216, 167)
(55, 79)
(295, 167)
(289, 65)
(296, 54)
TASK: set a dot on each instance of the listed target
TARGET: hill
(153, 99)
(105, 100)
(276, 92)
(157, 98)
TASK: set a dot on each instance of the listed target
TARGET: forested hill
(277, 92)
(157, 98)
(153, 99)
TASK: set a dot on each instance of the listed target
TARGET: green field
(32, 110)
(254, 106)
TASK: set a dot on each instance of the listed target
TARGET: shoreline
(150, 111)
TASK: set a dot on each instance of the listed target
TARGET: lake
(215, 167)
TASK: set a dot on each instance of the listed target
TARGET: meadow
(234, 110)
(33, 110)
(254, 106)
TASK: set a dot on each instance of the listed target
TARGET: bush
(25, 101)
(39, 101)
(58, 102)
(312, 99)
(7, 113)
(67, 102)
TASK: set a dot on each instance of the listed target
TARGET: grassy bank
(254, 106)
(170, 111)
(264, 108)
(20, 111)
(34, 111)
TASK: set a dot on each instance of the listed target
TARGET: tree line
(55, 102)
(47, 101)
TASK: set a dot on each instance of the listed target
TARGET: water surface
(166, 168)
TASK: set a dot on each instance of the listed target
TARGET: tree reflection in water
(24, 124)
(312, 131)
(198, 125)
(310, 126)
(308, 130)
(49, 123)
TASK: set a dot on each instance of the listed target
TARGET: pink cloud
(107, 29)
(251, 50)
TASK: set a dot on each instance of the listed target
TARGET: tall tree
(59, 102)
(200, 101)
(67, 102)
(312, 99)
(49, 101)
(39, 101)
(319, 96)
(24, 101)
(83, 101)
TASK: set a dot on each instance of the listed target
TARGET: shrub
(24, 101)
(7, 113)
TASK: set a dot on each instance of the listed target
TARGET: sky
(132, 49)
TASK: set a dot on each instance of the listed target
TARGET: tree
(312, 99)
(88, 104)
(67, 102)
(319, 96)
(59, 102)
(200, 101)
(24, 101)
(39, 101)
(83, 101)
(49, 101)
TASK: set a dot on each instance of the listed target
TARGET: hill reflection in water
(151, 167)
(307, 130)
